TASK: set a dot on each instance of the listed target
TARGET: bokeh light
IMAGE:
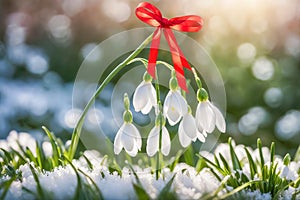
(255, 44)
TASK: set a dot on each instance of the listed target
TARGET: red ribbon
(151, 15)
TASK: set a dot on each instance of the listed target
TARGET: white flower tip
(201, 137)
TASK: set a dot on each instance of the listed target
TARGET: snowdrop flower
(153, 138)
(144, 96)
(288, 174)
(175, 106)
(188, 131)
(208, 115)
(128, 136)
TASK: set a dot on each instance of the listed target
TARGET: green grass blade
(5, 187)
(78, 190)
(176, 160)
(40, 156)
(166, 193)
(189, 156)
(90, 165)
(259, 146)
(140, 192)
(138, 187)
(97, 190)
(200, 165)
(297, 155)
(287, 159)
(272, 152)
(56, 151)
(213, 164)
(225, 164)
(252, 165)
(39, 188)
(236, 190)
(235, 161)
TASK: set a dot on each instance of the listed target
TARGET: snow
(61, 182)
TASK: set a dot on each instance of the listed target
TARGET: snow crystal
(61, 182)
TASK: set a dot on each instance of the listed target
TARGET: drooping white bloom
(208, 116)
(144, 97)
(153, 141)
(175, 106)
(187, 130)
(128, 137)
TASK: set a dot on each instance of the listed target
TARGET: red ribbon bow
(151, 15)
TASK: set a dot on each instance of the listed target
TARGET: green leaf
(287, 159)
(297, 155)
(237, 189)
(272, 152)
(5, 187)
(225, 164)
(252, 165)
(39, 188)
(217, 160)
(200, 165)
(235, 161)
(189, 156)
(259, 146)
(213, 164)
(96, 189)
(140, 192)
(176, 160)
(84, 190)
(90, 165)
(55, 148)
(165, 193)
(40, 156)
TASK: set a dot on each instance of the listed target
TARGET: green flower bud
(202, 95)
(127, 116)
(173, 85)
(147, 77)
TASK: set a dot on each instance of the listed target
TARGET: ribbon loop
(151, 15)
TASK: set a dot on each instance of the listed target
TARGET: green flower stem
(158, 165)
(79, 124)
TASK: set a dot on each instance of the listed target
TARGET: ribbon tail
(178, 59)
(174, 50)
(181, 82)
(154, 52)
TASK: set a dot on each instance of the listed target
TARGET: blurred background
(255, 44)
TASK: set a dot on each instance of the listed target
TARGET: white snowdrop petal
(166, 142)
(153, 141)
(140, 97)
(147, 108)
(200, 137)
(207, 118)
(173, 116)
(220, 121)
(204, 133)
(134, 152)
(136, 134)
(182, 103)
(183, 138)
(189, 125)
(127, 138)
(172, 108)
(152, 94)
(117, 142)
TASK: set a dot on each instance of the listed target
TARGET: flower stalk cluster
(175, 110)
